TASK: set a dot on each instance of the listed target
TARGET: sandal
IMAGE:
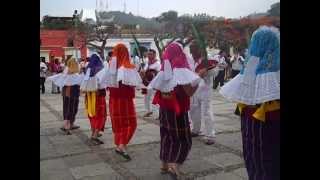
(93, 142)
(209, 142)
(123, 154)
(66, 131)
(63, 129)
(164, 170)
(194, 134)
(98, 141)
(75, 127)
(175, 173)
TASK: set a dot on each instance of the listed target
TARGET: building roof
(63, 18)
(88, 14)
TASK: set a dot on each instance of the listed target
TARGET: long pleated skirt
(123, 118)
(70, 99)
(98, 121)
(70, 108)
(261, 145)
(175, 135)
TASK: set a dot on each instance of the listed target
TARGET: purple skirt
(70, 95)
(261, 145)
(175, 136)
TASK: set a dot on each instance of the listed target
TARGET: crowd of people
(228, 68)
(54, 66)
(179, 86)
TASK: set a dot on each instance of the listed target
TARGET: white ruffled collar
(263, 88)
(251, 88)
(114, 75)
(169, 78)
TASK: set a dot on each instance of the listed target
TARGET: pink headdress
(175, 55)
(175, 70)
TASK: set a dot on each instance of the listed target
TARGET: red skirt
(123, 118)
(98, 121)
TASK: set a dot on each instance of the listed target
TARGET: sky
(153, 8)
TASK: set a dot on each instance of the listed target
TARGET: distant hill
(149, 24)
(257, 15)
(130, 19)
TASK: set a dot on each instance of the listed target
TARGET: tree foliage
(94, 35)
(274, 10)
(56, 23)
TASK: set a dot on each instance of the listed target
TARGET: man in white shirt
(82, 65)
(222, 64)
(200, 107)
(237, 64)
(43, 71)
(150, 70)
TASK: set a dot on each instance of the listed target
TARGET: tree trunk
(103, 46)
(102, 52)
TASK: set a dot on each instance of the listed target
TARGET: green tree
(169, 20)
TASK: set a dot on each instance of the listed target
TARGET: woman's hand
(189, 89)
(203, 72)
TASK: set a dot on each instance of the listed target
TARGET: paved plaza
(73, 158)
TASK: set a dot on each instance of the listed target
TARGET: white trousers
(201, 117)
(148, 100)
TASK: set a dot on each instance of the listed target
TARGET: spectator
(237, 64)
(151, 69)
(228, 68)
(53, 71)
(43, 70)
(58, 69)
(109, 56)
(82, 65)
(219, 79)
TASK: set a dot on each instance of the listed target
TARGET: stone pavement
(72, 158)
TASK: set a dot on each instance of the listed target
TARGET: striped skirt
(98, 121)
(123, 118)
(175, 135)
(70, 108)
(261, 145)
